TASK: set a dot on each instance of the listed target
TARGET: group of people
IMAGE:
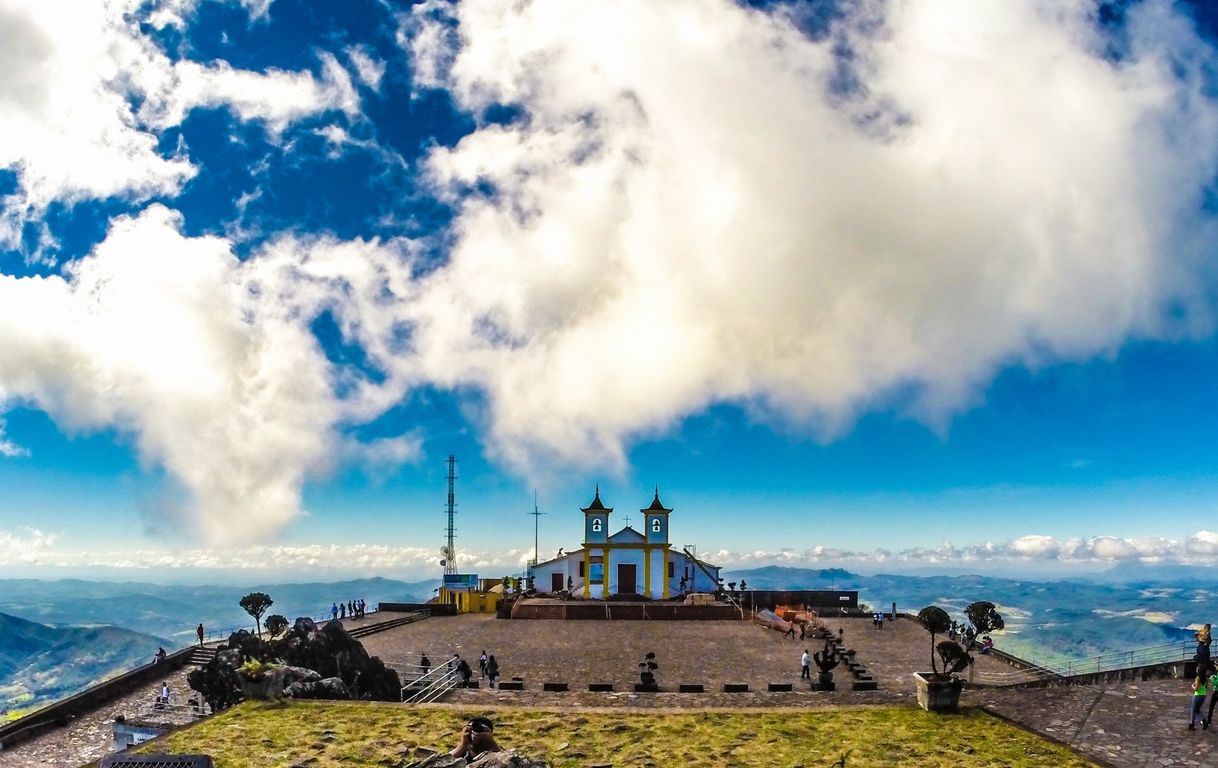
(351, 608)
(488, 667)
(877, 619)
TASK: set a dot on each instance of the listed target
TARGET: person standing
(1209, 717)
(199, 632)
(334, 611)
(482, 663)
(805, 663)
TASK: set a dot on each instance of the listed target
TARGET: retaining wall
(525, 609)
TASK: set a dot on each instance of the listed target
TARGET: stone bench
(864, 685)
(511, 685)
(692, 688)
(600, 687)
(735, 687)
(644, 688)
(779, 687)
(555, 687)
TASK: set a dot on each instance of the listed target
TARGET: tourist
(805, 666)
(342, 611)
(199, 632)
(334, 611)
(492, 670)
(879, 620)
(477, 737)
(790, 630)
(986, 644)
(482, 663)
(466, 673)
(1203, 647)
(1200, 690)
(1209, 717)
(454, 661)
(803, 631)
(425, 664)
(159, 657)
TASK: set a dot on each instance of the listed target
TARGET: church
(627, 562)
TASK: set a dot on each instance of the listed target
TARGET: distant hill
(39, 663)
(173, 611)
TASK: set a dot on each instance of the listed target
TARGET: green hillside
(39, 663)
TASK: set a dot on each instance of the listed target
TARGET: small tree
(984, 617)
(935, 621)
(255, 604)
(276, 623)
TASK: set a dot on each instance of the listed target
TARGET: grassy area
(355, 734)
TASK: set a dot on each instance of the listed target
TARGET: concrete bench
(644, 688)
(735, 687)
(511, 685)
(600, 687)
(779, 687)
(864, 685)
(692, 688)
(556, 687)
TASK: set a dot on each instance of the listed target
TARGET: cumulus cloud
(700, 203)
(74, 73)
(29, 545)
(206, 362)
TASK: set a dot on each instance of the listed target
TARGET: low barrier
(657, 611)
(64, 711)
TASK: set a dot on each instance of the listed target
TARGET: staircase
(432, 686)
(381, 626)
(200, 655)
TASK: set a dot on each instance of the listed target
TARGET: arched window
(596, 525)
(655, 524)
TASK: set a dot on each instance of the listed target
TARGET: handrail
(439, 681)
(221, 635)
(1133, 658)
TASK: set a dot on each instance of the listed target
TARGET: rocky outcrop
(321, 663)
(507, 759)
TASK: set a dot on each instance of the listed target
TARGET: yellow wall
(478, 602)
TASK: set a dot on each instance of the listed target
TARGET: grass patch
(358, 734)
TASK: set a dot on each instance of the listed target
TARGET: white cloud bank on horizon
(74, 73)
(686, 213)
(36, 549)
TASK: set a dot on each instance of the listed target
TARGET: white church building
(626, 563)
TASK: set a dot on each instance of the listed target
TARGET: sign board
(460, 581)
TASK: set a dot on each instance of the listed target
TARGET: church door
(556, 584)
(627, 574)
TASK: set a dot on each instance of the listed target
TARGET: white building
(626, 563)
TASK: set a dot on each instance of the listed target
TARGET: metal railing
(222, 635)
(426, 685)
(1134, 658)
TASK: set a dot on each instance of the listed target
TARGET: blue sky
(883, 285)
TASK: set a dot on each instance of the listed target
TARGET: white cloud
(691, 211)
(7, 447)
(72, 71)
(158, 335)
(369, 69)
(29, 545)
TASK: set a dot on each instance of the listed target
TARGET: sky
(889, 285)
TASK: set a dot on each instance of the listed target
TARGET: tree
(935, 621)
(276, 623)
(255, 604)
(984, 617)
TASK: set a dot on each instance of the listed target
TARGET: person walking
(1209, 717)
(492, 670)
(1200, 689)
(199, 632)
(805, 664)
(482, 663)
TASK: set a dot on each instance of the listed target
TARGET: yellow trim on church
(587, 573)
(647, 571)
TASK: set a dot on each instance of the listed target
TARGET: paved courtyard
(1135, 724)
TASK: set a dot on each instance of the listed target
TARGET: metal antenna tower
(450, 552)
(536, 519)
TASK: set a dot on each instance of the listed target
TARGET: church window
(655, 524)
(581, 568)
(596, 525)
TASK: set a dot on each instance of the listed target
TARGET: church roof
(625, 535)
(656, 506)
(597, 505)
